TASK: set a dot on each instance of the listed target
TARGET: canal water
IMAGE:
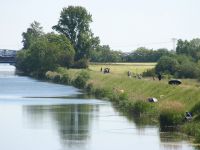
(36, 115)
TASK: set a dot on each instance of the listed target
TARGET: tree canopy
(33, 32)
(189, 48)
(74, 23)
(46, 52)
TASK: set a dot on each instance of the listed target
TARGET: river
(30, 119)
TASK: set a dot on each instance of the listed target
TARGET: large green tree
(33, 32)
(65, 50)
(167, 64)
(45, 53)
(74, 23)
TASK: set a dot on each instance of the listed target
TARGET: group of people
(138, 76)
(129, 73)
(105, 70)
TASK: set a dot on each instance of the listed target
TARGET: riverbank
(131, 96)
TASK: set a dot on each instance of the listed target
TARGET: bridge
(8, 56)
(10, 60)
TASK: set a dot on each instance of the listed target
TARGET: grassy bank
(131, 94)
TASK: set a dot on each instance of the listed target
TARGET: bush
(89, 88)
(142, 107)
(53, 76)
(186, 71)
(82, 63)
(192, 129)
(149, 73)
(167, 76)
(167, 64)
(172, 114)
(66, 79)
(57, 78)
(101, 93)
(81, 80)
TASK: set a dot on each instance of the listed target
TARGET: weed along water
(36, 115)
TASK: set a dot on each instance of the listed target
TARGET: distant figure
(153, 78)
(188, 116)
(138, 76)
(159, 77)
(101, 69)
(106, 70)
(129, 74)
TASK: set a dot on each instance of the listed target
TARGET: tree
(65, 50)
(189, 48)
(167, 64)
(74, 24)
(46, 53)
(105, 54)
(33, 32)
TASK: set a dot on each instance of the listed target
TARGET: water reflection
(73, 122)
(7, 70)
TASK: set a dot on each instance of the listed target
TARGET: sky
(122, 24)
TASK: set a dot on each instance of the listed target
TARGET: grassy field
(122, 68)
(185, 96)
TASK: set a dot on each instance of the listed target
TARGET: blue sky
(122, 24)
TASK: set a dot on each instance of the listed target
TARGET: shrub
(66, 79)
(172, 114)
(82, 63)
(53, 76)
(89, 88)
(142, 107)
(149, 73)
(57, 78)
(101, 93)
(167, 64)
(81, 80)
(192, 129)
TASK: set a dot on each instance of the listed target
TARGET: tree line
(70, 48)
(74, 45)
(184, 63)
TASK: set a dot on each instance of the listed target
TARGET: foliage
(189, 48)
(65, 79)
(105, 54)
(143, 54)
(81, 80)
(172, 114)
(74, 24)
(65, 50)
(149, 73)
(166, 64)
(46, 52)
(180, 66)
(22, 61)
(81, 63)
(53, 76)
(33, 32)
(141, 107)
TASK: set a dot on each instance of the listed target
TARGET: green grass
(188, 94)
(173, 101)
(122, 68)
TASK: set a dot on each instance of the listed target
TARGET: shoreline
(165, 112)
